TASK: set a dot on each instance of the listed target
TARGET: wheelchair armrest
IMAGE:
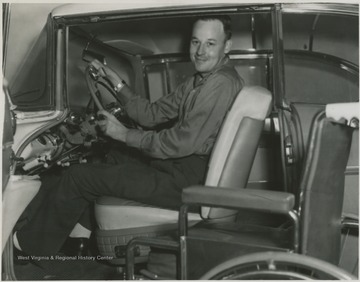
(254, 199)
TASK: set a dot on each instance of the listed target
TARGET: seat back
(234, 151)
(322, 188)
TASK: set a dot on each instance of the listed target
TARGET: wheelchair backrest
(322, 186)
(235, 148)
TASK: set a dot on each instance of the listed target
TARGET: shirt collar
(200, 78)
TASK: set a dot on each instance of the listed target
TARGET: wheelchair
(308, 248)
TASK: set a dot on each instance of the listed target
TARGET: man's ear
(228, 45)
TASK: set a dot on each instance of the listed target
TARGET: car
(299, 52)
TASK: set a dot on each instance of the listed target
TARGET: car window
(154, 63)
(26, 56)
(321, 59)
(318, 82)
(29, 88)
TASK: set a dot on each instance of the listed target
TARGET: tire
(276, 266)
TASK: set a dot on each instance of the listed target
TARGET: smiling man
(211, 39)
(155, 165)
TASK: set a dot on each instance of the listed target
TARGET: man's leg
(81, 184)
(55, 217)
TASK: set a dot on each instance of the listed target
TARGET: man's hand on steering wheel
(122, 94)
(107, 72)
(111, 127)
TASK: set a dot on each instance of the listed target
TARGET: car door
(8, 125)
(321, 67)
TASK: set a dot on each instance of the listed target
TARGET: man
(176, 157)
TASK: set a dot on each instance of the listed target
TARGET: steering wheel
(276, 266)
(93, 80)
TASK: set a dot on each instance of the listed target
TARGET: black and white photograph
(180, 140)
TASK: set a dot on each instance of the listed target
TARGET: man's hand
(105, 71)
(112, 127)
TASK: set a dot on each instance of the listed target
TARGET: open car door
(17, 191)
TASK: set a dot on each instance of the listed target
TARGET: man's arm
(138, 109)
(151, 114)
(196, 133)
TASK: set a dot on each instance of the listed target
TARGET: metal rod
(183, 218)
(6, 27)
(296, 234)
(183, 259)
(253, 33)
(311, 39)
(278, 47)
(145, 241)
(167, 77)
(183, 232)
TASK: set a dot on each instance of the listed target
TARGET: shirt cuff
(133, 138)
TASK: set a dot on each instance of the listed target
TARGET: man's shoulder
(228, 72)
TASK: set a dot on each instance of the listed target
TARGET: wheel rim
(276, 265)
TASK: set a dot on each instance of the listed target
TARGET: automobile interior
(285, 163)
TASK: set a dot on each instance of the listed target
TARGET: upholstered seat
(121, 220)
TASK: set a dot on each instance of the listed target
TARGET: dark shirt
(199, 105)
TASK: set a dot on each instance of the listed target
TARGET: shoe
(75, 247)
(19, 257)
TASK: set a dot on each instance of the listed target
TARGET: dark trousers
(125, 175)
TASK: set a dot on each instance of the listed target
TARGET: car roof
(89, 8)
(149, 5)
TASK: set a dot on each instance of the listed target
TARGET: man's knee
(78, 169)
(75, 177)
(87, 180)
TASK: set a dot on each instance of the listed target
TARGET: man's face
(208, 45)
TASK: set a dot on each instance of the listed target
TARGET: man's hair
(225, 20)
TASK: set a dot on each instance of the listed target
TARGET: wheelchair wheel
(276, 266)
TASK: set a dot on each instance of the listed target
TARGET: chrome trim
(350, 221)
(349, 224)
(313, 28)
(326, 58)
(247, 55)
(278, 80)
(75, 14)
(278, 47)
(6, 27)
(175, 58)
(58, 117)
(253, 33)
(172, 58)
(102, 11)
(321, 8)
(35, 116)
(352, 170)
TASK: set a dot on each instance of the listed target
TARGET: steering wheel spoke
(93, 80)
